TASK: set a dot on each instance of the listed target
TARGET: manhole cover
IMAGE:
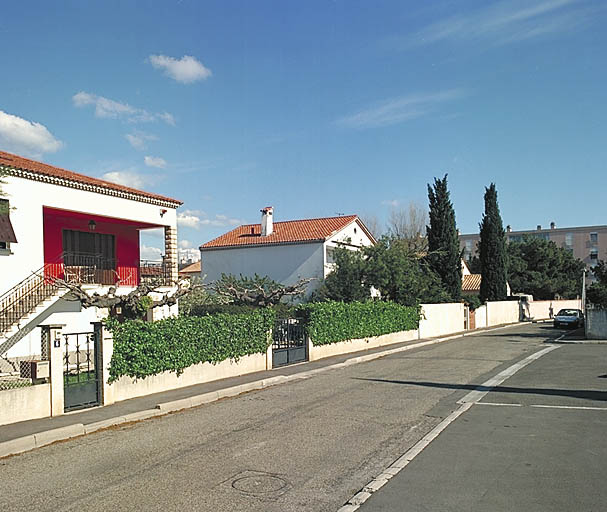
(259, 484)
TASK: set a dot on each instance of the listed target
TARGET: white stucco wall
(540, 309)
(502, 312)
(441, 319)
(23, 404)
(283, 263)
(596, 324)
(28, 197)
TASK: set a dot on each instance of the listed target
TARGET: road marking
(483, 389)
(466, 403)
(577, 407)
(499, 404)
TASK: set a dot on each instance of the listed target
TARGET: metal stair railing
(24, 297)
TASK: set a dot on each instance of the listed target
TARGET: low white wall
(127, 387)
(441, 319)
(23, 404)
(345, 347)
(596, 324)
(540, 309)
(480, 317)
(502, 312)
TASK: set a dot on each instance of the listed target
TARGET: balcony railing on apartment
(155, 272)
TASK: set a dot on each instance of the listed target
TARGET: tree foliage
(540, 268)
(492, 249)
(444, 255)
(348, 281)
(408, 223)
(391, 266)
(597, 292)
(401, 275)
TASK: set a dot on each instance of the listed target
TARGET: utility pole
(584, 291)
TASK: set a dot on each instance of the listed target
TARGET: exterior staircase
(23, 303)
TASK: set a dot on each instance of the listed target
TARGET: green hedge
(332, 322)
(149, 348)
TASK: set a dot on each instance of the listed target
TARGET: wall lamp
(163, 211)
(92, 225)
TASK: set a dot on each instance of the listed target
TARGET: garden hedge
(149, 348)
(332, 322)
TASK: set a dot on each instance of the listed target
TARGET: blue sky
(316, 107)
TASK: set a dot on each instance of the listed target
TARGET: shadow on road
(584, 394)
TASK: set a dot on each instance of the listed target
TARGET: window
(594, 238)
(84, 249)
(7, 233)
(594, 254)
(569, 241)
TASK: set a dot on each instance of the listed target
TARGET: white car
(569, 318)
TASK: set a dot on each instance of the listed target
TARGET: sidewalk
(27, 435)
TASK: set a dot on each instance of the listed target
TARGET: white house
(285, 251)
(76, 228)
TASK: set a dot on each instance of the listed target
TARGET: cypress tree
(492, 246)
(443, 243)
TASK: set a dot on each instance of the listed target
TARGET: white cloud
(185, 244)
(185, 70)
(155, 161)
(398, 110)
(26, 137)
(150, 253)
(391, 202)
(107, 108)
(126, 178)
(139, 139)
(196, 218)
(188, 255)
(507, 21)
(189, 219)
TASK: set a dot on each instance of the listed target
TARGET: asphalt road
(536, 442)
(307, 445)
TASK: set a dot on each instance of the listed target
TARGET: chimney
(267, 225)
(552, 225)
(539, 227)
(508, 228)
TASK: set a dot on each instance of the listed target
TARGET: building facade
(587, 243)
(284, 251)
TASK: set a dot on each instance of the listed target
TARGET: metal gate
(81, 371)
(289, 342)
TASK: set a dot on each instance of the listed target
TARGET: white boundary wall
(440, 319)
(480, 317)
(127, 387)
(26, 403)
(540, 309)
(502, 312)
(346, 347)
(596, 324)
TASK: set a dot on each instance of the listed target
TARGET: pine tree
(444, 255)
(492, 248)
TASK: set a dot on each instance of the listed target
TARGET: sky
(317, 108)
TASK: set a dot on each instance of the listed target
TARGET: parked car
(569, 318)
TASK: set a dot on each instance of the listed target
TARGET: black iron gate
(81, 371)
(289, 342)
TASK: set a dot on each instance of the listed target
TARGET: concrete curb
(30, 442)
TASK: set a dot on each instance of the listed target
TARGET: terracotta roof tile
(194, 268)
(18, 162)
(471, 283)
(290, 231)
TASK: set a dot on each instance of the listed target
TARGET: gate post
(106, 349)
(269, 351)
(55, 345)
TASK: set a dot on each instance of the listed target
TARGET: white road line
(483, 389)
(576, 407)
(466, 403)
(499, 404)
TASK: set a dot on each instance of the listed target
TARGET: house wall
(29, 197)
(502, 312)
(353, 235)
(283, 263)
